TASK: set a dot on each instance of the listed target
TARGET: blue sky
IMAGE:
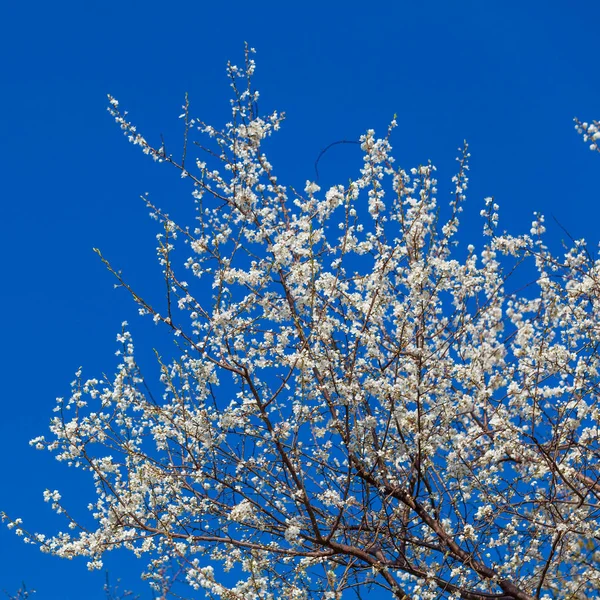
(507, 76)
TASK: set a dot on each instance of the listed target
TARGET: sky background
(507, 76)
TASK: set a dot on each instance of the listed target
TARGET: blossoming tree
(358, 399)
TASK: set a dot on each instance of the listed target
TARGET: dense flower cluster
(359, 400)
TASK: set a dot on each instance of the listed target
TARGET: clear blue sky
(507, 76)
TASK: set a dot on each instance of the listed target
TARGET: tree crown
(357, 399)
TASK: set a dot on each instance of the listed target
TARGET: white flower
(244, 511)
